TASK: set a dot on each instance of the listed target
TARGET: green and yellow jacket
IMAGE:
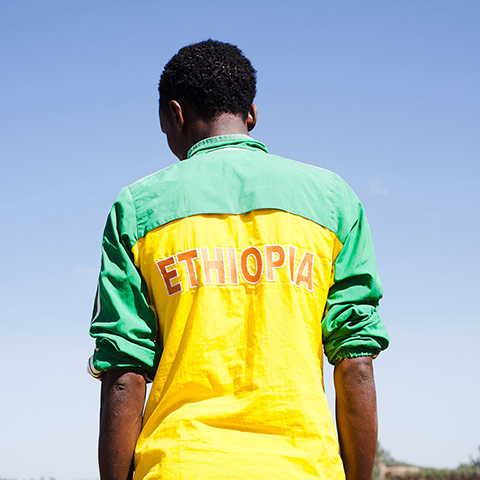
(222, 278)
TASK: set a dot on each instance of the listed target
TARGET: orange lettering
(292, 251)
(270, 263)
(188, 258)
(169, 275)
(251, 277)
(305, 271)
(217, 264)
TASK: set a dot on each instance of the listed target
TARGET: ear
(252, 117)
(177, 115)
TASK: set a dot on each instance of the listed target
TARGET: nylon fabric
(240, 377)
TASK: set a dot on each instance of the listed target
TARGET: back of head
(212, 77)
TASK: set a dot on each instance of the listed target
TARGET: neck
(224, 124)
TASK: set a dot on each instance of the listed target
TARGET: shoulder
(129, 206)
(316, 173)
(328, 198)
(152, 182)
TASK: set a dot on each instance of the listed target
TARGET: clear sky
(385, 93)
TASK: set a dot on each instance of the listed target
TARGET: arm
(122, 401)
(356, 412)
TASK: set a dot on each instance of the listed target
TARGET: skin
(123, 393)
(356, 412)
(122, 401)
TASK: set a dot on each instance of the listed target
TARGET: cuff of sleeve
(107, 357)
(353, 352)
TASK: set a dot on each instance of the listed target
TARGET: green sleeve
(351, 326)
(123, 324)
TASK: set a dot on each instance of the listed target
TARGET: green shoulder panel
(235, 181)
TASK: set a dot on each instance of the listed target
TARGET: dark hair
(212, 77)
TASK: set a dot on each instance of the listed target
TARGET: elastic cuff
(99, 373)
(107, 357)
(353, 352)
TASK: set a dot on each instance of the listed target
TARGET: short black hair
(212, 77)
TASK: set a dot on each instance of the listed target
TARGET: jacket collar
(226, 141)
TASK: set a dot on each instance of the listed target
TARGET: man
(221, 278)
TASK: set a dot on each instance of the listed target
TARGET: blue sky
(385, 93)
